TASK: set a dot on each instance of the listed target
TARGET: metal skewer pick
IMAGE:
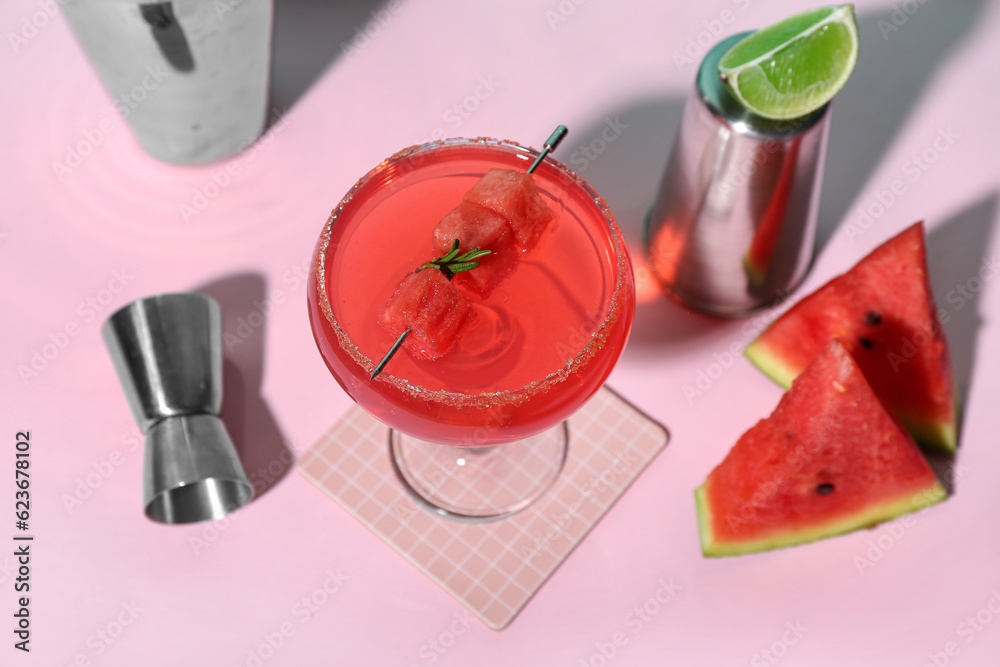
(550, 145)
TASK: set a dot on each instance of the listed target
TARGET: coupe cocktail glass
(480, 432)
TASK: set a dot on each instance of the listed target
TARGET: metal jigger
(167, 350)
(734, 222)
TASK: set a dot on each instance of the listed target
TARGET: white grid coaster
(494, 567)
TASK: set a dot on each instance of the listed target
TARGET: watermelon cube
(478, 227)
(513, 196)
(432, 308)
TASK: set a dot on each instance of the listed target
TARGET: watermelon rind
(931, 434)
(932, 494)
(770, 364)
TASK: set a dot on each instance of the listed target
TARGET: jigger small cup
(167, 351)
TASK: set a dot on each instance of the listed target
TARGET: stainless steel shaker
(190, 77)
(733, 224)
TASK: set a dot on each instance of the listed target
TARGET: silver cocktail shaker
(733, 224)
(190, 77)
(167, 350)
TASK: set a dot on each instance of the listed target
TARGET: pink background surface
(72, 249)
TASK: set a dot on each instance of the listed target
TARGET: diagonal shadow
(310, 34)
(622, 154)
(895, 62)
(959, 273)
(247, 416)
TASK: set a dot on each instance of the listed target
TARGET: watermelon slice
(884, 313)
(513, 196)
(829, 460)
(432, 308)
(478, 227)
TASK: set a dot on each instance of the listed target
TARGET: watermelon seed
(824, 489)
(873, 318)
(865, 342)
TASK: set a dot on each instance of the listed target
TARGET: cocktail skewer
(550, 145)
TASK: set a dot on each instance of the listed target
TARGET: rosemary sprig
(451, 263)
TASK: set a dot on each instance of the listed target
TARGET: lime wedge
(793, 67)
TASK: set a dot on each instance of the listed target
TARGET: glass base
(480, 483)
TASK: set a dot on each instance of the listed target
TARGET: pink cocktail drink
(540, 343)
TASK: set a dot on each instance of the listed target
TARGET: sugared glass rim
(491, 398)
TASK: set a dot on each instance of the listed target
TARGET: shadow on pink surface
(309, 35)
(622, 153)
(246, 308)
(900, 50)
(959, 273)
